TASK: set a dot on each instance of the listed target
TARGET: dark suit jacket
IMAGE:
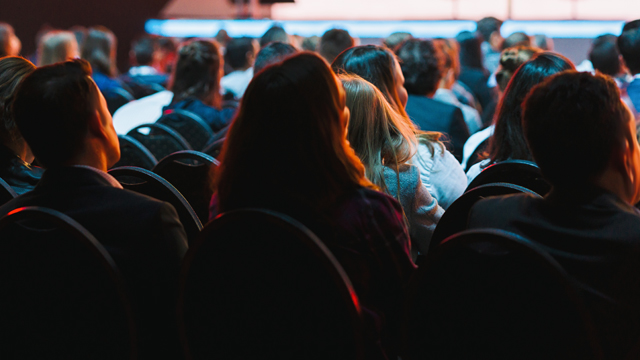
(433, 115)
(143, 236)
(633, 91)
(594, 236)
(476, 80)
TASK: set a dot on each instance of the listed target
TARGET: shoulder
(495, 210)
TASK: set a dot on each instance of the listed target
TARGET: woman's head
(379, 66)
(508, 140)
(12, 70)
(376, 132)
(197, 72)
(99, 49)
(57, 46)
(510, 61)
(290, 131)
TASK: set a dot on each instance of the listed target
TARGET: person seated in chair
(143, 78)
(583, 138)
(64, 118)
(240, 54)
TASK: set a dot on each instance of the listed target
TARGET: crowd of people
(367, 146)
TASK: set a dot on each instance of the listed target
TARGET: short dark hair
(486, 26)
(333, 42)
(604, 55)
(52, 108)
(573, 123)
(275, 33)
(421, 66)
(629, 47)
(470, 50)
(272, 53)
(236, 52)
(143, 49)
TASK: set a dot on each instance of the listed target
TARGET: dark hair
(333, 42)
(573, 123)
(470, 52)
(236, 52)
(516, 39)
(510, 60)
(508, 141)
(12, 70)
(275, 33)
(197, 72)
(392, 41)
(630, 25)
(143, 49)
(376, 65)
(52, 108)
(421, 66)
(99, 49)
(303, 95)
(629, 47)
(271, 54)
(487, 26)
(604, 55)
(310, 43)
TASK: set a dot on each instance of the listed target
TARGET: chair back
(116, 98)
(455, 219)
(191, 126)
(191, 173)
(258, 284)
(490, 294)
(62, 295)
(6, 192)
(518, 172)
(213, 149)
(147, 183)
(133, 153)
(161, 140)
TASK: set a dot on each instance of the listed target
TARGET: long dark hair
(508, 140)
(99, 49)
(290, 131)
(197, 72)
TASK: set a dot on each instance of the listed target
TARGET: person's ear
(96, 127)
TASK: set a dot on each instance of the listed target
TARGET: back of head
(573, 123)
(197, 71)
(272, 53)
(310, 43)
(516, 39)
(629, 47)
(395, 39)
(237, 51)
(542, 42)
(375, 64)
(290, 130)
(487, 26)
(9, 43)
(448, 49)
(143, 50)
(99, 49)
(52, 108)
(604, 55)
(333, 42)
(12, 70)
(57, 46)
(376, 132)
(508, 141)
(510, 60)
(275, 33)
(470, 51)
(421, 66)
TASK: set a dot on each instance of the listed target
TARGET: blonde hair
(379, 135)
(56, 46)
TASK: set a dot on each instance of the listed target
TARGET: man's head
(143, 51)
(10, 45)
(629, 47)
(64, 118)
(604, 55)
(392, 41)
(489, 30)
(579, 130)
(275, 33)
(421, 66)
(333, 42)
(271, 54)
(240, 53)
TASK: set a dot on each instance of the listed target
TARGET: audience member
(473, 73)
(272, 53)
(15, 155)
(516, 39)
(447, 59)
(385, 144)
(507, 141)
(440, 172)
(80, 32)
(275, 33)
(395, 39)
(326, 189)
(65, 120)
(489, 30)
(583, 139)
(462, 91)
(542, 42)
(195, 83)
(629, 47)
(310, 43)
(333, 42)
(422, 73)
(240, 54)
(100, 51)
(144, 58)
(168, 53)
(10, 44)
(57, 46)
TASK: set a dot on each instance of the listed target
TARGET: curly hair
(510, 61)
(421, 66)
